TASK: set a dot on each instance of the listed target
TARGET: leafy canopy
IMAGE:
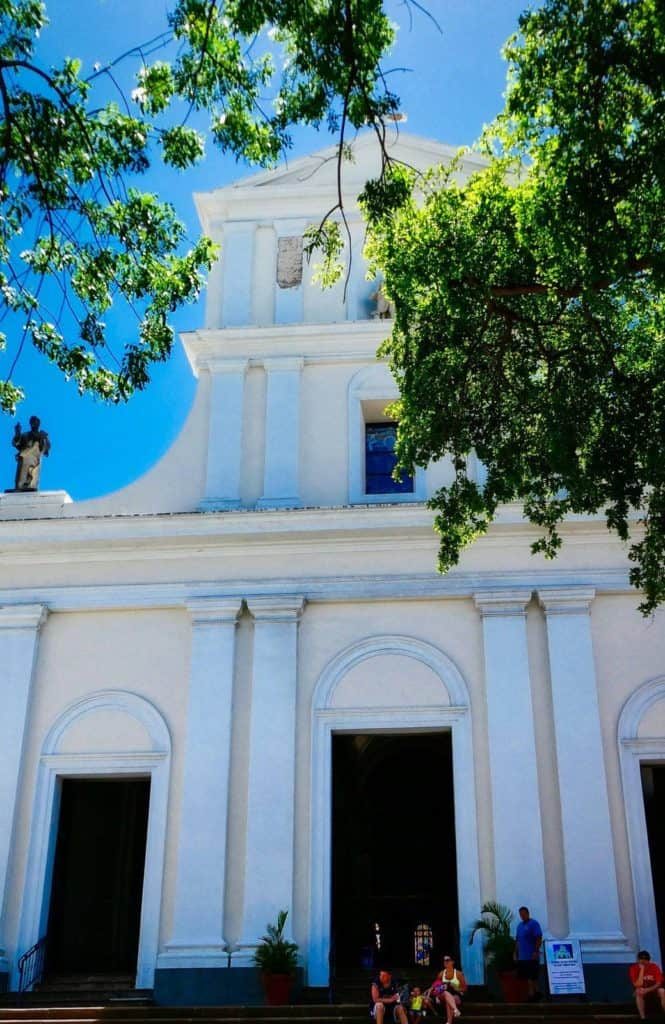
(530, 302)
(78, 237)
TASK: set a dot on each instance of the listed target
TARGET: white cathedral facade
(239, 684)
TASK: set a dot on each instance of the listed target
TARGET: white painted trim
(634, 751)
(54, 766)
(373, 383)
(327, 720)
(328, 589)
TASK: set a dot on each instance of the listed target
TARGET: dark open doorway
(95, 907)
(653, 787)
(394, 864)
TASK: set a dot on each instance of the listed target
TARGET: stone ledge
(33, 504)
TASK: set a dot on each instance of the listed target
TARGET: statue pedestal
(33, 504)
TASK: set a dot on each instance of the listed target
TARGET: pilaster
(281, 475)
(593, 906)
(201, 874)
(237, 265)
(227, 388)
(271, 785)
(518, 851)
(19, 632)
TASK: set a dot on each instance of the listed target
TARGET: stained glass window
(380, 461)
(422, 945)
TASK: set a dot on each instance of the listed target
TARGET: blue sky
(454, 86)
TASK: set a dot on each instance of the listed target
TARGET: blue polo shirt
(527, 933)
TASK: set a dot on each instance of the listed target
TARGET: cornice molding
(566, 600)
(502, 603)
(356, 340)
(283, 364)
(150, 536)
(219, 365)
(276, 607)
(22, 616)
(207, 611)
(455, 585)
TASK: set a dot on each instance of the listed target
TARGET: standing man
(528, 940)
(646, 978)
(385, 1004)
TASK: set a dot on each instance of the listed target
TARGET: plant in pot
(277, 959)
(494, 925)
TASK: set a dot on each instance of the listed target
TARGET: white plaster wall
(653, 723)
(144, 652)
(629, 650)
(147, 653)
(452, 626)
(174, 484)
(556, 912)
(390, 680)
(325, 431)
(105, 732)
(253, 445)
(239, 781)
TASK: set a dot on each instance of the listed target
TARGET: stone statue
(30, 446)
(384, 307)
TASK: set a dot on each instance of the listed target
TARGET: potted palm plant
(495, 925)
(277, 959)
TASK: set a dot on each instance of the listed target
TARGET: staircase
(79, 999)
(474, 1012)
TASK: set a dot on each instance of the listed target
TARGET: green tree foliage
(530, 302)
(78, 237)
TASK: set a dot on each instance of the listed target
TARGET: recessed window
(423, 940)
(380, 460)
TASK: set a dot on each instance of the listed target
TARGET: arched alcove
(440, 703)
(111, 734)
(641, 738)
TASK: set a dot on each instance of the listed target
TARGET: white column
(201, 874)
(19, 631)
(271, 784)
(265, 262)
(282, 448)
(518, 837)
(237, 266)
(593, 906)
(227, 390)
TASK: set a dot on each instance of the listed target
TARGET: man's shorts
(528, 969)
(389, 1014)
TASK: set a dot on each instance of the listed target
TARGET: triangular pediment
(318, 170)
(307, 186)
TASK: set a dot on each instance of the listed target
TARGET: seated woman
(447, 990)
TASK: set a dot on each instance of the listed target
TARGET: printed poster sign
(564, 967)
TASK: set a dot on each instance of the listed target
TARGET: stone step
(562, 1013)
(255, 1016)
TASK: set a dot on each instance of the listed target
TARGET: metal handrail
(31, 966)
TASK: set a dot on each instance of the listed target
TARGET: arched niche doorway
(105, 737)
(387, 686)
(641, 736)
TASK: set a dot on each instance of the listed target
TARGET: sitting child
(416, 1007)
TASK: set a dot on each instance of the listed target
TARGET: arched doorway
(641, 735)
(143, 752)
(393, 835)
(391, 686)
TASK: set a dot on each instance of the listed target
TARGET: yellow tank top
(454, 982)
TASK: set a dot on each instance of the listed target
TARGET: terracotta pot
(277, 988)
(513, 989)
